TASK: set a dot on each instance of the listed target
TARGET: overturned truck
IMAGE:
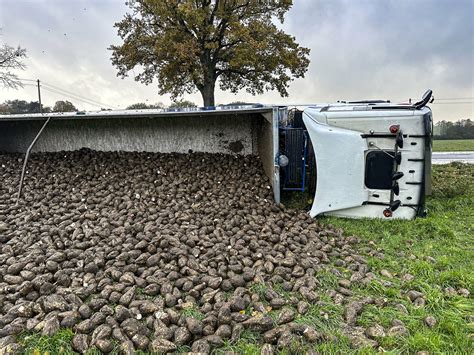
(356, 159)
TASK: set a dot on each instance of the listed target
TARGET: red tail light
(387, 213)
(394, 128)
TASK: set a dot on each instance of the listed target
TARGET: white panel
(374, 211)
(340, 166)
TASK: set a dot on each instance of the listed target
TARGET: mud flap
(340, 164)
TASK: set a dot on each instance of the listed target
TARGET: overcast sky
(374, 49)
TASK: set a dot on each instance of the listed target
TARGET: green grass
(296, 199)
(34, 343)
(325, 317)
(437, 250)
(247, 344)
(446, 235)
(453, 145)
(193, 313)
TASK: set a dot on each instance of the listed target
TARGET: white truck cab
(372, 159)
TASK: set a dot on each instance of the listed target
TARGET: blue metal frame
(305, 156)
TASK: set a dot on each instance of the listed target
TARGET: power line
(455, 98)
(66, 95)
(72, 97)
(74, 94)
(61, 91)
(70, 94)
(453, 103)
(26, 79)
(436, 99)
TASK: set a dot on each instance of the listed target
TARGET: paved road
(448, 157)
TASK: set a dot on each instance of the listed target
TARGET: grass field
(453, 145)
(437, 251)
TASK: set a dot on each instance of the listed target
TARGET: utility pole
(39, 96)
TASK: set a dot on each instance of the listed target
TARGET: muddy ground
(154, 252)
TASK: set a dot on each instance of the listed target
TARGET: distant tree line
(462, 129)
(175, 104)
(12, 107)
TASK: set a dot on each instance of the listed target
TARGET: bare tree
(11, 59)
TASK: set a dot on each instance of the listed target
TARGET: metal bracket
(25, 161)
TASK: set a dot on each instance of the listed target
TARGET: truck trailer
(356, 159)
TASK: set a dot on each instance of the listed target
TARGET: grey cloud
(359, 49)
(387, 49)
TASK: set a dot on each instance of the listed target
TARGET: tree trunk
(207, 93)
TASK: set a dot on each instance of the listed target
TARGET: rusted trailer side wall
(180, 134)
(242, 133)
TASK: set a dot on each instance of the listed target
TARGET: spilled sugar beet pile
(157, 251)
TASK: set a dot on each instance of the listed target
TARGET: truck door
(339, 155)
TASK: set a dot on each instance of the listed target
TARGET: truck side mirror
(424, 100)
